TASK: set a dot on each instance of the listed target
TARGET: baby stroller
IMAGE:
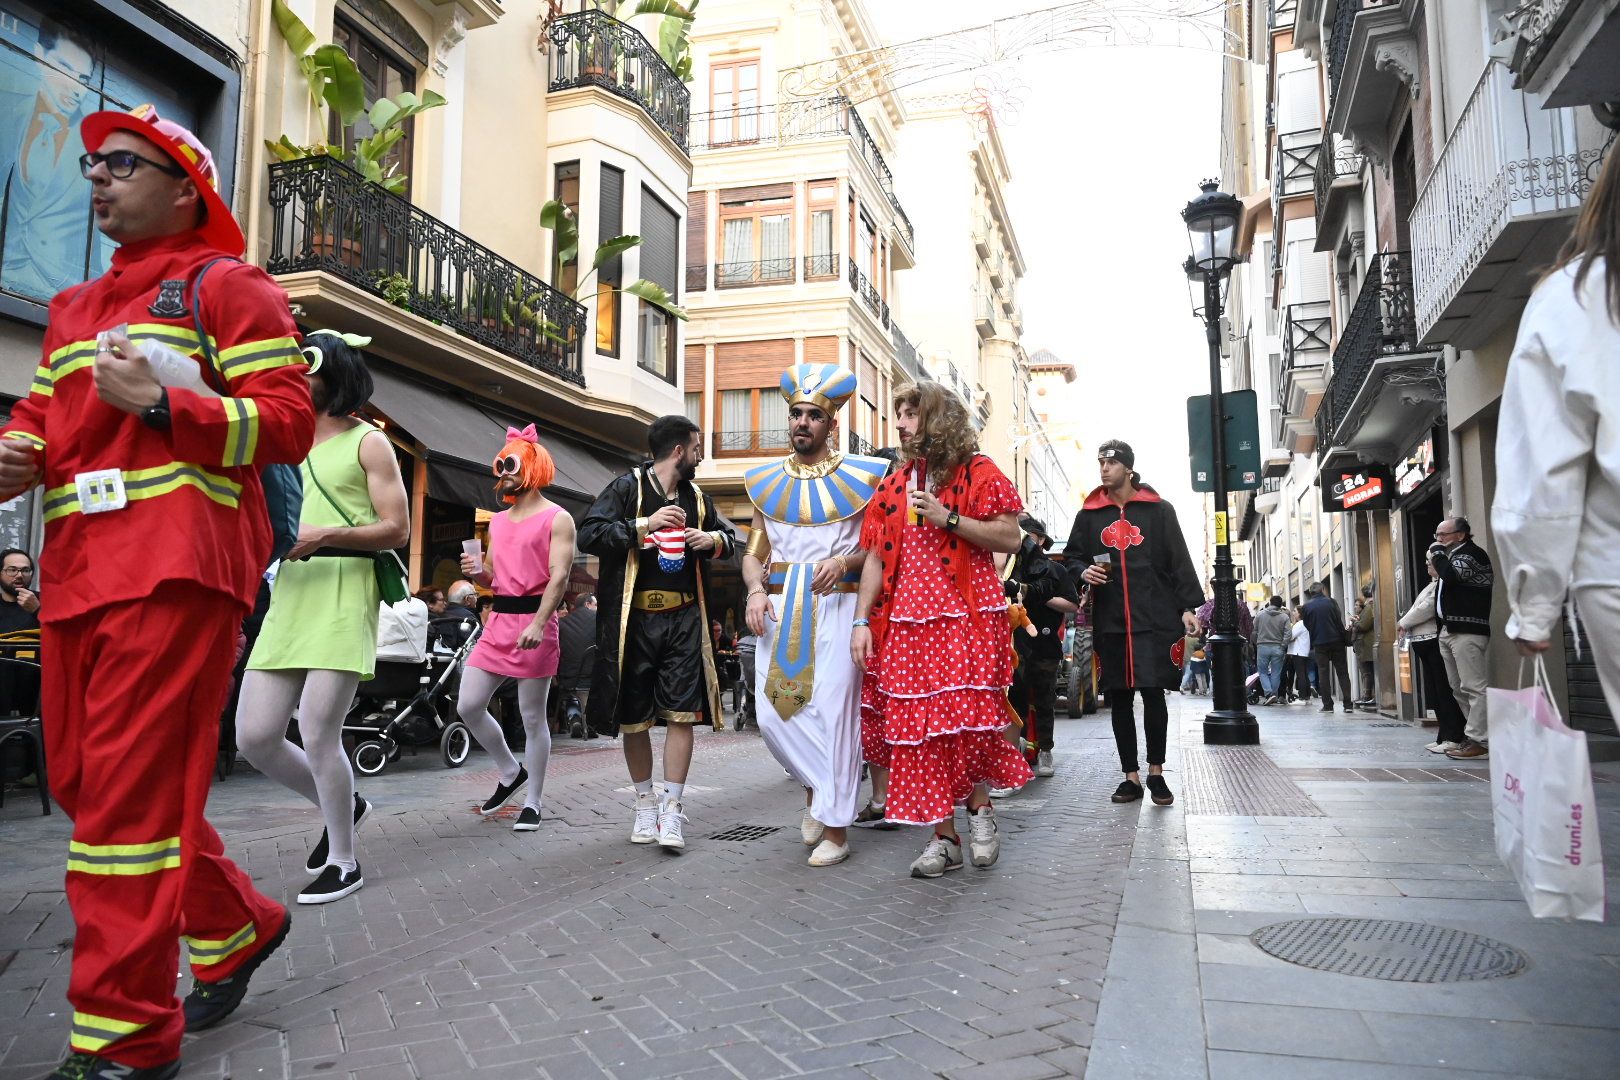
(411, 702)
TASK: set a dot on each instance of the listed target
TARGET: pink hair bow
(528, 434)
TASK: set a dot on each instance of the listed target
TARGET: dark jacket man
(1466, 576)
(1324, 619)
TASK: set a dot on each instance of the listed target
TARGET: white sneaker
(828, 853)
(1442, 747)
(1004, 792)
(645, 830)
(811, 830)
(938, 856)
(669, 827)
(984, 840)
(1043, 764)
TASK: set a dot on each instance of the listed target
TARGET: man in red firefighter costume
(155, 538)
(1127, 546)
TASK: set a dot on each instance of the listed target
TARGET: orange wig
(535, 469)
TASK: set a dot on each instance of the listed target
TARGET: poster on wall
(1356, 487)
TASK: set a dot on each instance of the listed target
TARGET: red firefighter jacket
(195, 507)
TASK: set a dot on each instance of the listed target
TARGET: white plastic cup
(474, 550)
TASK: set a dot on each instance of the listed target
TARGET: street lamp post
(1212, 225)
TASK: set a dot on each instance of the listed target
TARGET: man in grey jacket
(1272, 629)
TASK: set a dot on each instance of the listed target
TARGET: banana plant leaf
(392, 112)
(656, 295)
(340, 84)
(611, 249)
(299, 38)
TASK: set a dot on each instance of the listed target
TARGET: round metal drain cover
(1387, 949)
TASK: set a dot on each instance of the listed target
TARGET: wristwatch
(953, 521)
(157, 416)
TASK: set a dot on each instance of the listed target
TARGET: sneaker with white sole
(670, 831)
(984, 839)
(1043, 764)
(527, 821)
(1442, 746)
(828, 853)
(810, 830)
(645, 829)
(319, 854)
(1004, 792)
(334, 884)
(938, 855)
(504, 793)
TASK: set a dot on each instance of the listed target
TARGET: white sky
(1107, 147)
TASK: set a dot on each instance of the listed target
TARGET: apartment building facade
(474, 323)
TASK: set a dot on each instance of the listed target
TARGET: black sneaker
(210, 1002)
(528, 821)
(334, 884)
(1128, 791)
(323, 848)
(871, 817)
(1325, 708)
(90, 1067)
(504, 793)
(1160, 790)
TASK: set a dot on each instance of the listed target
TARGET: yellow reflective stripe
(27, 437)
(205, 952)
(95, 1033)
(42, 383)
(149, 484)
(251, 356)
(241, 430)
(124, 860)
(78, 355)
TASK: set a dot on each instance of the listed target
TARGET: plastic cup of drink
(474, 550)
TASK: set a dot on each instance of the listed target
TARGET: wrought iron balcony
(1294, 171)
(863, 287)
(744, 443)
(730, 275)
(1307, 333)
(906, 353)
(858, 445)
(869, 149)
(903, 221)
(1338, 45)
(1283, 13)
(1337, 169)
(591, 48)
(1509, 169)
(325, 216)
(697, 278)
(820, 266)
(1379, 350)
(984, 312)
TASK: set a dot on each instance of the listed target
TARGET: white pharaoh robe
(802, 665)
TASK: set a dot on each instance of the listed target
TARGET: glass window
(756, 242)
(656, 352)
(694, 407)
(773, 415)
(383, 77)
(566, 191)
(736, 412)
(734, 101)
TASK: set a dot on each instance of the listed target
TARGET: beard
(8, 591)
(685, 471)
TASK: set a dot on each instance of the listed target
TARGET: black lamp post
(1212, 225)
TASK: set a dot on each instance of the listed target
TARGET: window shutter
(660, 243)
(756, 193)
(869, 378)
(612, 221)
(822, 350)
(749, 365)
(694, 369)
(697, 229)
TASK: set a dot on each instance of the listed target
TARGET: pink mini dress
(522, 551)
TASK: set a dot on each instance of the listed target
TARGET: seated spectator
(19, 604)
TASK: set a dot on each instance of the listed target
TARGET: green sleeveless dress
(323, 611)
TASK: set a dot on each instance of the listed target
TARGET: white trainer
(811, 830)
(1442, 747)
(1043, 764)
(670, 833)
(828, 853)
(645, 830)
(984, 840)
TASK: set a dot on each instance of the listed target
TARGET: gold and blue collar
(828, 491)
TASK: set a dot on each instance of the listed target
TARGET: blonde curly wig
(945, 437)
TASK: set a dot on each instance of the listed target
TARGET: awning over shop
(461, 439)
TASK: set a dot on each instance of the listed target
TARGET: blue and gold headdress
(826, 386)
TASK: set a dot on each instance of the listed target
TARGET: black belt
(516, 605)
(339, 553)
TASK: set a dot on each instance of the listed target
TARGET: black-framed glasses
(121, 164)
(17, 571)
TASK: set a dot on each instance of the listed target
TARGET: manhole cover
(1386, 949)
(741, 833)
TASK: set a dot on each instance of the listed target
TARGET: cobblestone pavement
(1111, 942)
(475, 951)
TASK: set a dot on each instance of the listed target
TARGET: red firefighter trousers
(131, 695)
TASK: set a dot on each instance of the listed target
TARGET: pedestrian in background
(577, 635)
(1421, 631)
(19, 603)
(319, 639)
(1271, 634)
(1324, 619)
(1556, 516)
(1463, 606)
(1300, 668)
(1361, 640)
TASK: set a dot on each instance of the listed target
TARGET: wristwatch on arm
(157, 416)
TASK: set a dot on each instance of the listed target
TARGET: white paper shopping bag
(1541, 800)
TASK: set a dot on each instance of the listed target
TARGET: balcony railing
(906, 353)
(1307, 329)
(591, 48)
(730, 275)
(325, 216)
(1507, 160)
(1382, 322)
(739, 443)
(1283, 13)
(1297, 156)
(858, 445)
(697, 278)
(869, 150)
(904, 221)
(1334, 161)
(820, 266)
(1338, 45)
(863, 287)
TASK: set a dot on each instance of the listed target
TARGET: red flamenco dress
(933, 703)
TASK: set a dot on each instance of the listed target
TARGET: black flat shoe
(323, 847)
(505, 792)
(1160, 790)
(1128, 791)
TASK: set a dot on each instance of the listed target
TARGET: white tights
(319, 771)
(472, 704)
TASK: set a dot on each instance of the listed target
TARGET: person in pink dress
(531, 551)
(931, 630)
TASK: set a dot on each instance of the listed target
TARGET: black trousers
(1297, 671)
(1331, 659)
(1437, 691)
(1155, 724)
(1034, 694)
(1365, 670)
